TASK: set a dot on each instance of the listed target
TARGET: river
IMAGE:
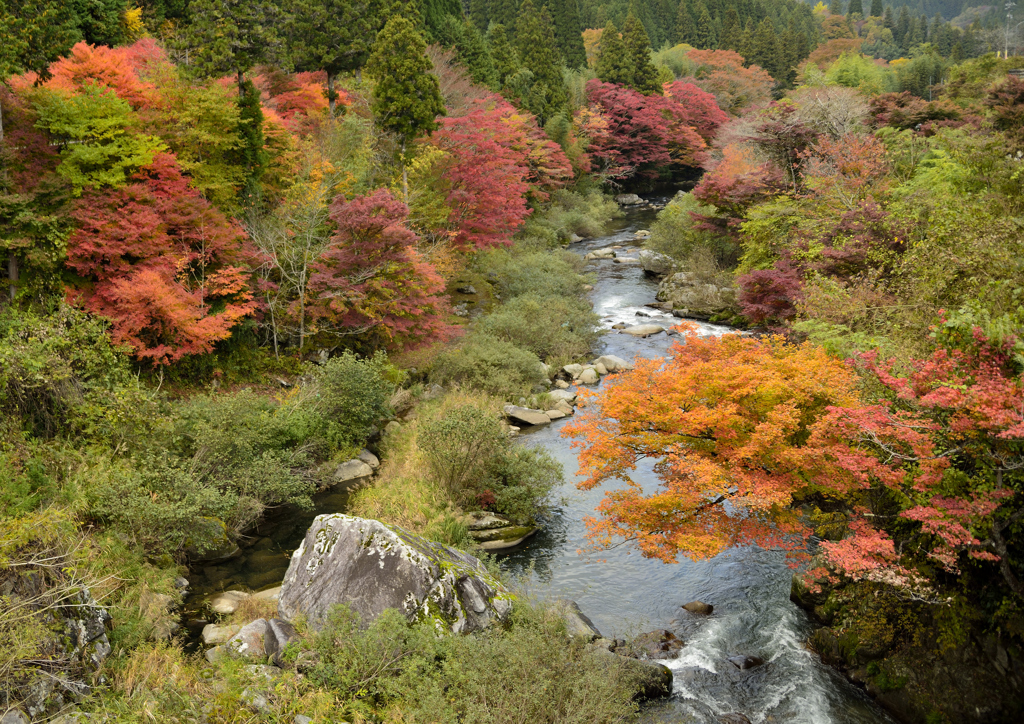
(621, 592)
(625, 594)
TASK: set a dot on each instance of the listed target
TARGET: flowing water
(621, 592)
(625, 594)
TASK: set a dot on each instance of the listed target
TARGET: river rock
(684, 290)
(566, 395)
(613, 363)
(628, 200)
(564, 407)
(270, 594)
(373, 567)
(746, 662)
(215, 634)
(466, 289)
(351, 474)
(573, 370)
(577, 624)
(659, 644)
(227, 602)
(498, 539)
(643, 330)
(250, 640)
(554, 414)
(279, 635)
(655, 263)
(561, 384)
(641, 234)
(484, 520)
(369, 458)
(734, 718)
(627, 260)
(589, 376)
(14, 716)
(526, 415)
(699, 607)
(606, 253)
(575, 238)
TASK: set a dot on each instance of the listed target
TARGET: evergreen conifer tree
(764, 49)
(476, 55)
(856, 8)
(434, 13)
(835, 7)
(888, 20)
(876, 8)
(613, 62)
(251, 153)
(505, 12)
(686, 26)
(480, 14)
(406, 96)
(538, 53)
(506, 60)
(334, 36)
(569, 32)
(732, 31)
(232, 36)
(638, 50)
(706, 39)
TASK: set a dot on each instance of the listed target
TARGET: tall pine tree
(613, 62)
(686, 26)
(706, 38)
(876, 8)
(406, 96)
(480, 14)
(856, 8)
(334, 36)
(506, 59)
(569, 32)
(638, 51)
(232, 36)
(538, 53)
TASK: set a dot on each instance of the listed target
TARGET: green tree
(471, 48)
(538, 53)
(856, 8)
(569, 32)
(506, 59)
(686, 26)
(876, 8)
(434, 13)
(613, 64)
(504, 12)
(705, 38)
(92, 129)
(638, 51)
(231, 36)
(732, 31)
(99, 21)
(252, 156)
(835, 7)
(334, 36)
(406, 95)
(764, 50)
(480, 14)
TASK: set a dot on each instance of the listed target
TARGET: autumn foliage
(372, 278)
(169, 270)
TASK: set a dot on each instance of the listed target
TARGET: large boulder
(656, 263)
(643, 330)
(526, 416)
(628, 200)
(695, 298)
(373, 567)
(351, 474)
(613, 363)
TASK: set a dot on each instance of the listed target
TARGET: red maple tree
(166, 267)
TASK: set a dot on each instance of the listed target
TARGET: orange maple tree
(731, 422)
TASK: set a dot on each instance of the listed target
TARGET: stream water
(625, 594)
(621, 592)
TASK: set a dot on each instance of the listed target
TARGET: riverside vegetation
(240, 241)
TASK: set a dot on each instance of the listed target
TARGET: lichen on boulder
(372, 567)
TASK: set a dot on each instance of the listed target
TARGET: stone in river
(228, 601)
(643, 330)
(699, 607)
(613, 363)
(589, 376)
(351, 473)
(554, 414)
(526, 415)
(627, 260)
(746, 662)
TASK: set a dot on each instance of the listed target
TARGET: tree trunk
(332, 98)
(241, 84)
(405, 176)
(12, 274)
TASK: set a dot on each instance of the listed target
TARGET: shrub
(352, 396)
(547, 326)
(538, 273)
(530, 672)
(487, 363)
(471, 456)
(678, 235)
